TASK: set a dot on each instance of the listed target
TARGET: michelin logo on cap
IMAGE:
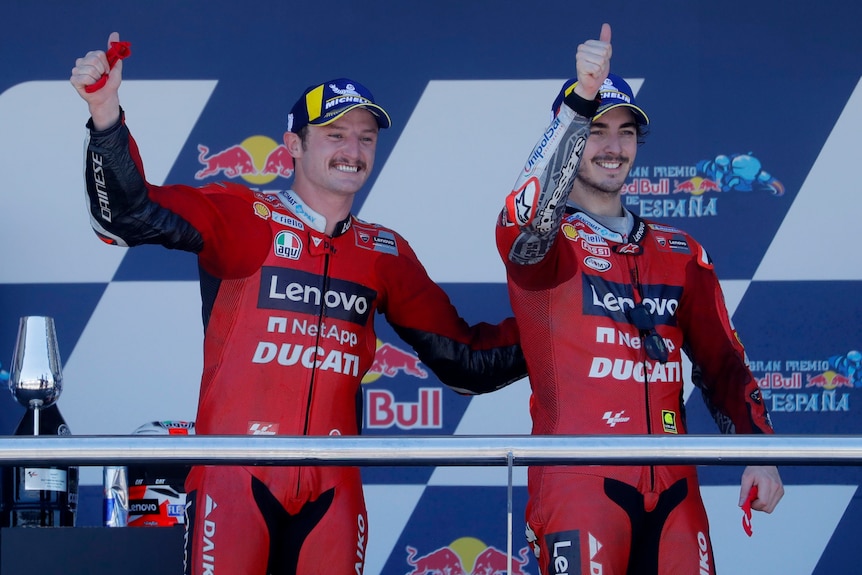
(324, 103)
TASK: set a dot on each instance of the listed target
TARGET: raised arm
(534, 209)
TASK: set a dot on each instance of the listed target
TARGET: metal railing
(496, 450)
(456, 450)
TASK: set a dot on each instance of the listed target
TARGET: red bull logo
(384, 412)
(232, 162)
(778, 381)
(390, 360)
(695, 186)
(829, 380)
(443, 561)
(492, 561)
(258, 160)
(466, 556)
(644, 186)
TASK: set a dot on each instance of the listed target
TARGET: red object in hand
(117, 51)
(746, 510)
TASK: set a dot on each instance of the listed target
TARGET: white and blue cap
(614, 93)
(324, 103)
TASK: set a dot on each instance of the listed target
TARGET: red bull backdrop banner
(755, 112)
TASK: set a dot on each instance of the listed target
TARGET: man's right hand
(593, 62)
(104, 103)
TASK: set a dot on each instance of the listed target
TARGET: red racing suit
(288, 335)
(572, 282)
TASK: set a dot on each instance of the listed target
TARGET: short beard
(597, 189)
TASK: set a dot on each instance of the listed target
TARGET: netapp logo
(304, 292)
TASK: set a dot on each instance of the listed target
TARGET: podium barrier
(159, 550)
(461, 450)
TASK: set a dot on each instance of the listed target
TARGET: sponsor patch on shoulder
(674, 243)
(267, 197)
(261, 210)
(662, 228)
(375, 239)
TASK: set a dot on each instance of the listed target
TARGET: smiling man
(606, 303)
(290, 282)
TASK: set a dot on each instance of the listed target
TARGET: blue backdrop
(755, 109)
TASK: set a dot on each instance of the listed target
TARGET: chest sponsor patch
(668, 421)
(375, 239)
(614, 300)
(287, 220)
(598, 264)
(309, 293)
(287, 245)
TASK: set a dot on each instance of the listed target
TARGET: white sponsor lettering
(360, 544)
(101, 191)
(561, 562)
(295, 291)
(309, 357)
(613, 303)
(342, 336)
(631, 341)
(595, 546)
(384, 412)
(345, 100)
(208, 555)
(627, 369)
(703, 547)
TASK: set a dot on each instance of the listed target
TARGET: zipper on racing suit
(638, 298)
(312, 380)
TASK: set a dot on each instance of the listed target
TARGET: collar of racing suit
(630, 243)
(313, 219)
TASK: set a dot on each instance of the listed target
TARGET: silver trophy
(36, 378)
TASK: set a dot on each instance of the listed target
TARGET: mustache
(612, 158)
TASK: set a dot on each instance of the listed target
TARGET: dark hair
(643, 132)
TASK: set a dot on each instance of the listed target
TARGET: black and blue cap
(615, 92)
(324, 103)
